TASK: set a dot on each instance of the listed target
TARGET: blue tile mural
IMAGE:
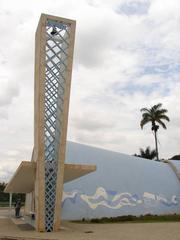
(121, 185)
(115, 200)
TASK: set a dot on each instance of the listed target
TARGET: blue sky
(133, 7)
(127, 56)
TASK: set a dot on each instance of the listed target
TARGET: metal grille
(57, 44)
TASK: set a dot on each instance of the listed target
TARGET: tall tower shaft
(53, 68)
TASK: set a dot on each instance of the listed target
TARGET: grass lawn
(135, 219)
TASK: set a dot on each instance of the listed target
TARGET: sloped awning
(23, 180)
(74, 171)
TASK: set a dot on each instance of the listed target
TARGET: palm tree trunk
(157, 153)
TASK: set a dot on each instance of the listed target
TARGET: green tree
(4, 197)
(154, 115)
(147, 153)
(2, 186)
(176, 157)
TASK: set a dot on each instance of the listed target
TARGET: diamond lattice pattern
(57, 44)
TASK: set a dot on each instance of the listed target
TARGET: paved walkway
(77, 231)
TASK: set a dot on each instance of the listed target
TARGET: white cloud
(126, 58)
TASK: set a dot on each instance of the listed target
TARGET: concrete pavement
(84, 231)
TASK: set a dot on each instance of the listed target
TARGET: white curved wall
(121, 185)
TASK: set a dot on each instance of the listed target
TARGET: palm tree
(147, 153)
(154, 115)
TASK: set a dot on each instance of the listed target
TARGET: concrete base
(24, 223)
(76, 231)
(128, 231)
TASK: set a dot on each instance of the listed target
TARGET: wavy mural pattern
(114, 200)
(109, 200)
(69, 195)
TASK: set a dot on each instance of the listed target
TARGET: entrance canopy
(23, 181)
